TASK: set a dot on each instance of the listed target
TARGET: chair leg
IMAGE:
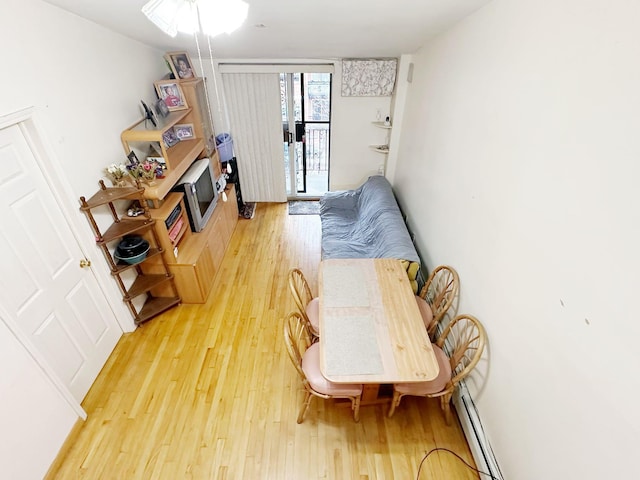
(432, 331)
(305, 406)
(394, 402)
(445, 404)
(355, 405)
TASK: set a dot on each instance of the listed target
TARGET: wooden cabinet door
(217, 242)
(194, 281)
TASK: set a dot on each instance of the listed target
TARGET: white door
(57, 306)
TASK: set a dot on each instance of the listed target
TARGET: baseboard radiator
(474, 432)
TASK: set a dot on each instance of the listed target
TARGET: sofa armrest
(344, 200)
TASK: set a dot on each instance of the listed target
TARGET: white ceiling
(296, 28)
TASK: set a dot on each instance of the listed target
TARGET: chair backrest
(463, 340)
(300, 290)
(297, 340)
(439, 292)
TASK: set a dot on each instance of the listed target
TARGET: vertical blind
(255, 117)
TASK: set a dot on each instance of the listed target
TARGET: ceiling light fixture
(211, 17)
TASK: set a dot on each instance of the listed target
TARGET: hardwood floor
(208, 391)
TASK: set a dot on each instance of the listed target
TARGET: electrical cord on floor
(455, 454)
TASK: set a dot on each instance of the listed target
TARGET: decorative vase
(120, 183)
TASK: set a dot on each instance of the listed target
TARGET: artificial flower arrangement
(117, 173)
(146, 170)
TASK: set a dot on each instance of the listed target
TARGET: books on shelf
(175, 229)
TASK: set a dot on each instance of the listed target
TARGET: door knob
(84, 263)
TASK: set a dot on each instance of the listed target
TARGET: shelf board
(184, 151)
(125, 227)
(110, 194)
(122, 266)
(380, 148)
(143, 283)
(155, 305)
(138, 132)
(169, 202)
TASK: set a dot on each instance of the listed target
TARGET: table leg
(370, 396)
(370, 393)
(374, 394)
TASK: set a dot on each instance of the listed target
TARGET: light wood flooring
(208, 391)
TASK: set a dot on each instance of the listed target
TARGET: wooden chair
(305, 357)
(308, 305)
(463, 339)
(436, 297)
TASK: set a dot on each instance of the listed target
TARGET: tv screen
(200, 193)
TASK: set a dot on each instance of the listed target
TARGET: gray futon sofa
(367, 223)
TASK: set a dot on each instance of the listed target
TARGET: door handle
(84, 263)
(300, 131)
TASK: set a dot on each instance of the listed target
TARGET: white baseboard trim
(474, 432)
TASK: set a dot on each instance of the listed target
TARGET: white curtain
(255, 117)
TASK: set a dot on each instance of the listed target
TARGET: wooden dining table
(371, 330)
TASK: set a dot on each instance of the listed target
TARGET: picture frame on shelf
(184, 131)
(181, 65)
(170, 138)
(133, 158)
(172, 94)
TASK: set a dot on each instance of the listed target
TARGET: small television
(200, 194)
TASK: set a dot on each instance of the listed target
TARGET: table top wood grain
(371, 330)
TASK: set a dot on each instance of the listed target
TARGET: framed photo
(169, 138)
(184, 131)
(180, 64)
(133, 159)
(171, 92)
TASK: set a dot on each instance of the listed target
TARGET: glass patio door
(306, 126)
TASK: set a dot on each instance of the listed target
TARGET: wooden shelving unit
(145, 283)
(192, 259)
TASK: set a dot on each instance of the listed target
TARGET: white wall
(352, 161)
(86, 84)
(34, 417)
(519, 165)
